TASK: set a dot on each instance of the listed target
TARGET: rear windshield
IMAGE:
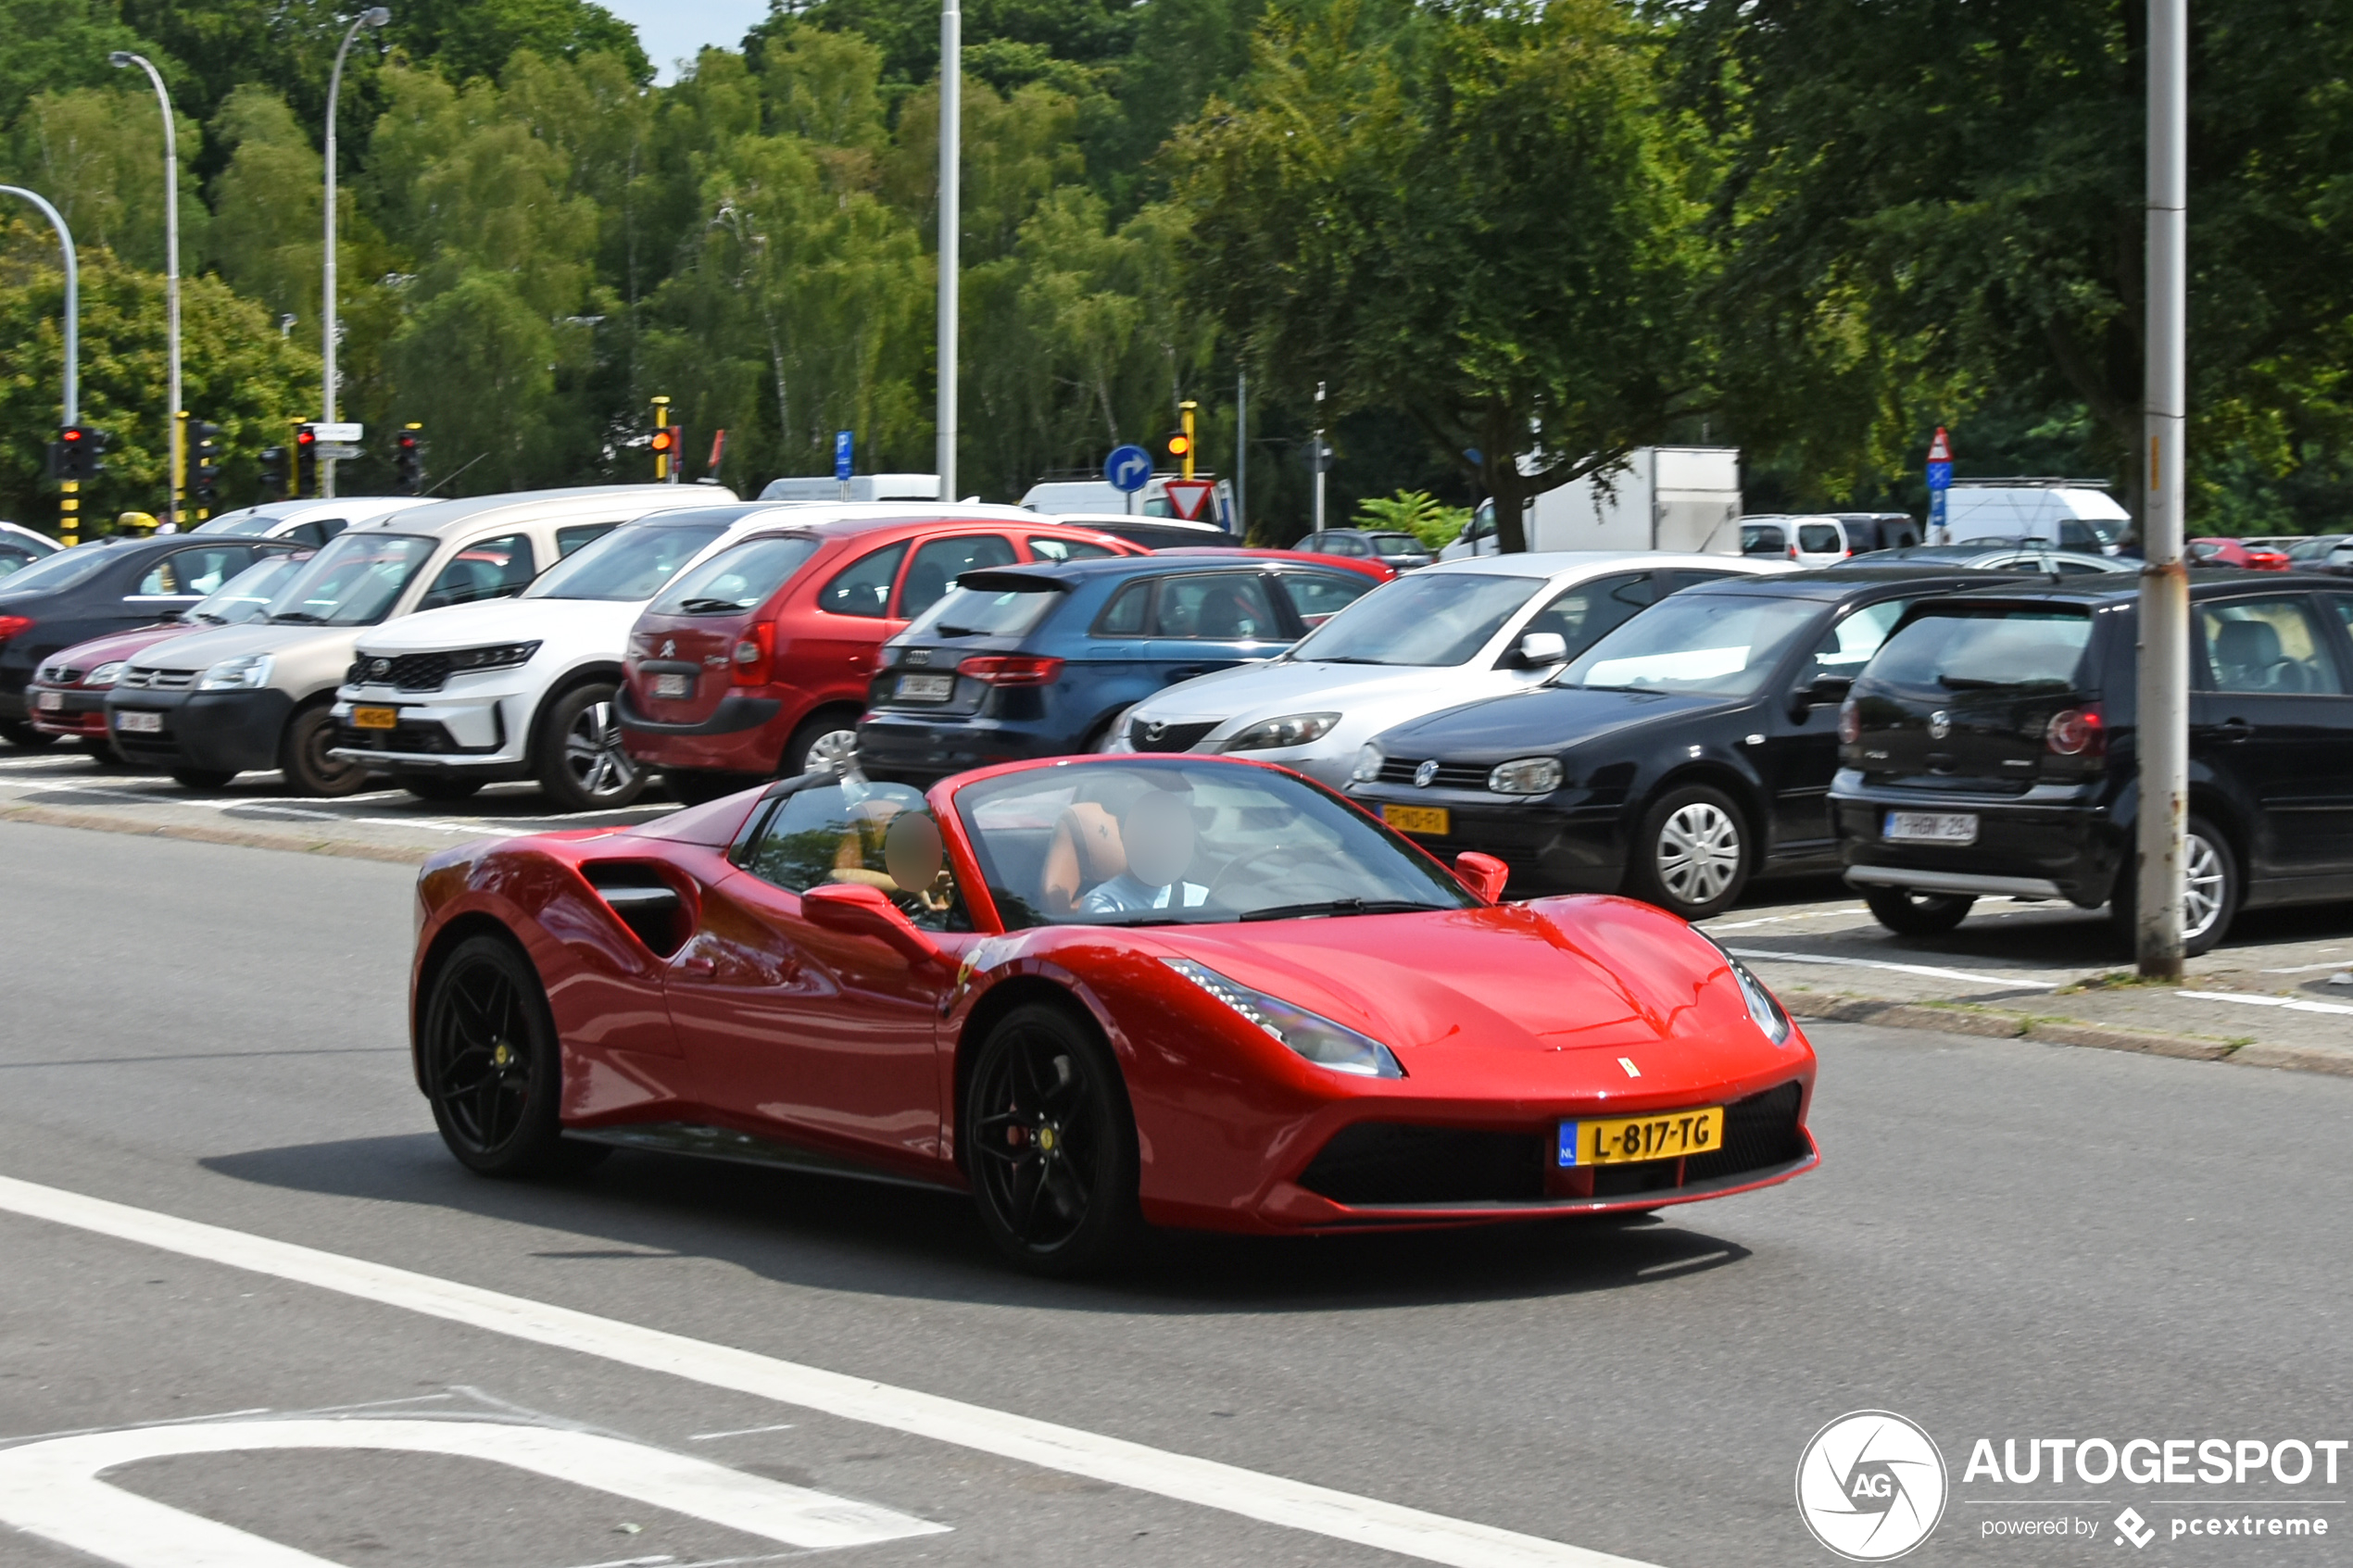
(736, 580)
(247, 527)
(1819, 539)
(1428, 619)
(993, 613)
(1762, 539)
(627, 564)
(61, 570)
(1396, 545)
(2019, 651)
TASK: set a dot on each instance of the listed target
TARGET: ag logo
(1870, 1485)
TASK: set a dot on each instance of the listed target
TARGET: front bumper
(2054, 841)
(79, 712)
(208, 731)
(1571, 841)
(481, 728)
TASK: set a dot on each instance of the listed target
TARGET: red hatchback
(755, 664)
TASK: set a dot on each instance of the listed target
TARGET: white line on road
(739, 1432)
(1271, 1499)
(2292, 1004)
(1975, 976)
(2306, 968)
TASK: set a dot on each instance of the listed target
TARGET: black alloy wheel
(582, 765)
(103, 753)
(1693, 854)
(302, 756)
(492, 1069)
(1907, 914)
(24, 737)
(1050, 1144)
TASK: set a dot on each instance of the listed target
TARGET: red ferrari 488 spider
(1096, 993)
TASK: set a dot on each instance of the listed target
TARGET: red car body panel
(82, 713)
(1506, 1018)
(819, 659)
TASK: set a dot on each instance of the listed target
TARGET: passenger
(1157, 833)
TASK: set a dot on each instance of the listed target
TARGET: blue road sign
(1936, 515)
(842, 446)
(1940, 476)
(1128, 468)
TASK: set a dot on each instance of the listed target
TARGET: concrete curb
(2002, 1023)
(50, 817)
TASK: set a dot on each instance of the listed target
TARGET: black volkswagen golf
(1988, 750)
(1689, 750)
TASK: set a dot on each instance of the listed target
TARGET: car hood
(121, 645)
(1564, 974)
(1285, 685)
(1548, 719)
(209, 648)
(604, 622)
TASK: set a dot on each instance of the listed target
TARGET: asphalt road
(2005, 1240)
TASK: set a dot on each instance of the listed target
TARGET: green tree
(97, 152)
(1416, 512)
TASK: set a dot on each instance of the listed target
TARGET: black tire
(1907, 914)
(581, 762)
(2214, 891)
(1694, 853)
(824, 739)
(200, 778)
(24, 737)
(302, 756)
(103, 753)
(1050, 1144)
(492, 1069)
(696, 787)
(442, 787)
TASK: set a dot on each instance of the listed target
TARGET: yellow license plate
(1626, 1140)
(375, 718)
(1416, 819)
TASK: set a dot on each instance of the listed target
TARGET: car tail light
(12, 624)
(1850, 722)
(2076, 732)
(753, 653)
(1793, 552)
(1012, 669)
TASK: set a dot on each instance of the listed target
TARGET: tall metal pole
(69, 501)
(174, 415)
(2162, 726)
(1320, 463)
(1241, 454)
(375, 16)
(951, 203)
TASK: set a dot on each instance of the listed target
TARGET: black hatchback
(1687, 751)
(1988, 750)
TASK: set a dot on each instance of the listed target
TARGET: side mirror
(1483, 874)
(861, 910)
(1538, 649)
(1826, 692)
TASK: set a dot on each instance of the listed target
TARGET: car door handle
(2235, 729)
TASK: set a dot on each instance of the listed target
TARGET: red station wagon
(755, 663)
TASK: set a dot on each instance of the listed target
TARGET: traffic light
(306, 461)
(273, 473)
(409, 459)
(75, 455)
(669, 445)
(1183, 447)
(203, 466)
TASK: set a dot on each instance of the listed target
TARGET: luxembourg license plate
(1416, 819)
(1929, 827)
(132, 723)
(375, 718)
(927, 688)
(51, 702)
(674, 687)
(1626, 1140)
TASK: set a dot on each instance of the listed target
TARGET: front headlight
(1527, 775)
(1312, 1035)
(1762, 1005)
(1368, 763)
(1294, 728)
(247, 672)
(107, 674)
(501, 656)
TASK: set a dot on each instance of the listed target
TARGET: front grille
(1450, 775)
(1170, 737)
(58, 675)
(407, 671)
(413, 736)
(151, 678)
(1759, 1132)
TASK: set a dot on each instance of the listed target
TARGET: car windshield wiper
(299, 617)
(1338, 658)
(957, 630)
(1342, 906)
(1154, 919)
(710, 607)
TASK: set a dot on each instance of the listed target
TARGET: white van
(2071, 514)
(1061, 498)
(863, 487)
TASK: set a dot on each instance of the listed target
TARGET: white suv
(523, 688)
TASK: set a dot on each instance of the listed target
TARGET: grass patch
(2114, 980)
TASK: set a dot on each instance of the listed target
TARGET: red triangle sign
(1940, 447)
(1189, 498)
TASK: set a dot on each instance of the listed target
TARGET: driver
(1157, 832)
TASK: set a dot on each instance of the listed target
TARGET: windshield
(737, 579)
(1157, 843)
(1708, 644)
(252, 526)
(627, 564)
(1003, 612)
(2014, 651)
(246, 595)
(1396, 545)
(353, 580)
(61, 570)
(2314, 550)
(1430, 618)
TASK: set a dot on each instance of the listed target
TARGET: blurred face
(912, 852)
(1158, 831)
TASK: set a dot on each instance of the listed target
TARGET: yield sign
(1189, 498)
(1939, 449)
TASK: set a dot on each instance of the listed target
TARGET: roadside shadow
(863, 1237)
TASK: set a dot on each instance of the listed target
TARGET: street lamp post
(374, 16)
(951, 160)
(176, 486)
(69, 503)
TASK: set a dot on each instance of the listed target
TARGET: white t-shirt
(1123, 893)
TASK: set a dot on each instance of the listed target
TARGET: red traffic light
(70, 434)
(305, 436)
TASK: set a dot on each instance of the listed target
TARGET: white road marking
(2305, 968)
(739, 1432)
(1975, 976)
(1272, 1500)
(1781, 920)
(2292, 1004)
(52, 1490)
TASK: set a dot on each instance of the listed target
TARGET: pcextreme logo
(1870, 1485)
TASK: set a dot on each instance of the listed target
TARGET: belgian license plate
(133, 722)
(1930, 827)
(1416, 819)
(52, 701)
(674, 687)
(375, 718)
(927, 688)
(1626, 1140)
